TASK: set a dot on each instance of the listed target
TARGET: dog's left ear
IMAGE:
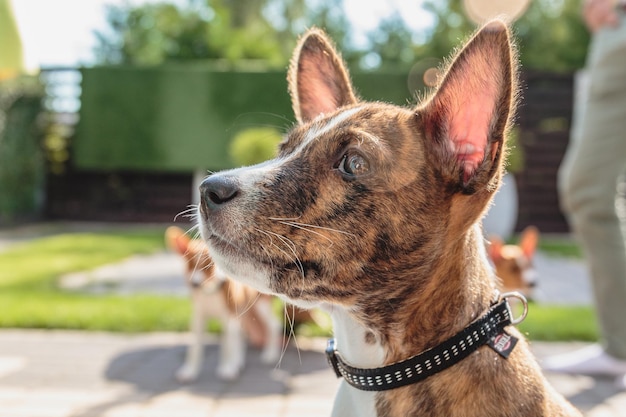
(177, 240)
(318, 79)
(465, 120)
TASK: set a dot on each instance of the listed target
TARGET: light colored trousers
(588, 178)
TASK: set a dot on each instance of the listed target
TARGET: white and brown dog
(242, 311)
(372, 211)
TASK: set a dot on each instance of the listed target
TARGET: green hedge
(184, 117)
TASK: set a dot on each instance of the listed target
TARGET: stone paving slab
(81, 374)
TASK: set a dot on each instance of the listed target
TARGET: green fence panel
(182, 118)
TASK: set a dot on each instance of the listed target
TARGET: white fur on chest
(350, 343)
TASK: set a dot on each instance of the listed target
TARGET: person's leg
(591, 199)
(587, 184)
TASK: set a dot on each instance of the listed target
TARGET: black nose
(218, 190)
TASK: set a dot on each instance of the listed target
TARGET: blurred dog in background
(242, 311)
(514, 262)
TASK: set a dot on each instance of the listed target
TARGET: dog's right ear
(529, 241)
(318, 80)
(466, 119)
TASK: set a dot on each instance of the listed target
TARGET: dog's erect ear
(177, 240)
(466, 118)
(494, 248)
(529, 241)
(318, 80)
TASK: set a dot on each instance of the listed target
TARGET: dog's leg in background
(232, 349)
(271, 351)
(195, 352)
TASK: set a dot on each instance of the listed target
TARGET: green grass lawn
(30, 297)
(559, 323)
(560, 247)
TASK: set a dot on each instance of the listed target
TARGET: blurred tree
(551, 35)
(330, 16)
(451, 27)
(392, 45)
(153, 33)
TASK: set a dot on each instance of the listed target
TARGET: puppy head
(198, 263)
(364, 198)
(514, 263)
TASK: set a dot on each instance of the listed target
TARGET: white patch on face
(316, 130)
(249, 177)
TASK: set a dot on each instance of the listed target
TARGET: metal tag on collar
(332, 357)
(503, 343)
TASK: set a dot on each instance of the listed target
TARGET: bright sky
(60, 32)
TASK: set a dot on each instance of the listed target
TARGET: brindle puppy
(371, 211)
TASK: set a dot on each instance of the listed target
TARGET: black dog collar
(488, 329)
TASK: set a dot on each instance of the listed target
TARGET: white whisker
(292, 246)
(285, 218)
(291, 323)
(190, 212)
(249, 305)
(208, 266)
(290, 222)
(298, 226)
(193, 229)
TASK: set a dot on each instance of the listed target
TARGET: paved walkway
(80, 374)
(63, 374)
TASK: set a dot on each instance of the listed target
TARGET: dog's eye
(353, 165)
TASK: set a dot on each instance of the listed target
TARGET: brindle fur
(397, 246)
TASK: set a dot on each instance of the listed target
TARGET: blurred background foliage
(21, 158)
(551, 37)
(254, 145)
(233, 30)
(22, 169)
(551, 33)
